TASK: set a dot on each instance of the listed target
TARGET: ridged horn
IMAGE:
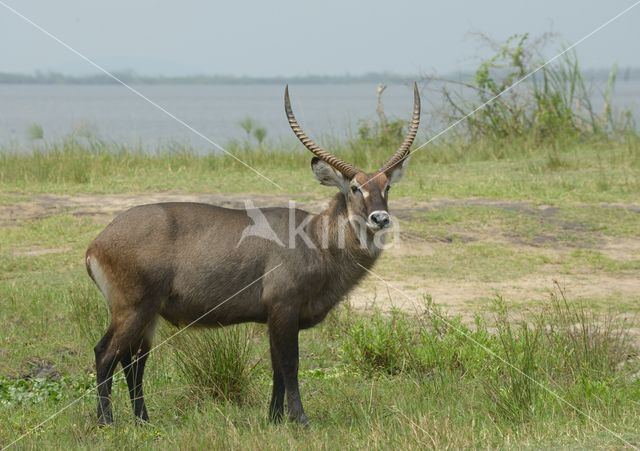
(345, 168)
(403, 151)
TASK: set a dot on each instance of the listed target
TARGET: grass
(380, 381)
(482, 215)
(486, 261)
(439, 170)
(216, 363)
(399, 380)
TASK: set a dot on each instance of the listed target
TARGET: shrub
(552, 105)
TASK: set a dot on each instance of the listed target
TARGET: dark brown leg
(123, 337)
(283, 333)
(105, 365)
(133, 363)
(276, 406)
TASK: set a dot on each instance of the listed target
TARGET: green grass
(384, 381)
(216, 363)
(593, 260)
(525, 223)
(596, 172)
(367, 381)
(483, 261)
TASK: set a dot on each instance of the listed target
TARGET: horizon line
(54, 77)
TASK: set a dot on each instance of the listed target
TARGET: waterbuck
(193, 263)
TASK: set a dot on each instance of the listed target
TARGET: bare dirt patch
(468, 297)
(107, 206)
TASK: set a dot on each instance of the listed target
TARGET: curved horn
(403, 152)
(345, 168)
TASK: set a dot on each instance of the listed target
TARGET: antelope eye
(386, 190)
(355, 188)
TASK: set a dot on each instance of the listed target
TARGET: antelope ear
(396, 174)
(327, 175)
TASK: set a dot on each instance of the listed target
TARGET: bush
(552, 105)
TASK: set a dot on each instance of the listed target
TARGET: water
(113, 113)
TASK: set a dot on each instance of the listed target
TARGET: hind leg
(133, 363)
(105, 365)
(122, 340)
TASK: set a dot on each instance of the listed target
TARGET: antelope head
(366, 193)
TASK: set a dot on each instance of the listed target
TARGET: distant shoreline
(55, 78)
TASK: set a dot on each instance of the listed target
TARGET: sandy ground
(386, 288)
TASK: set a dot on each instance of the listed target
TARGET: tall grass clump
(379, 344)
(447, 347)
(216, 363)
(512, 379)
(591, 344)
(552, 106)
(520, 366)
(563, 351)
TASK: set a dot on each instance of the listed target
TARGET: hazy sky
(286, 37)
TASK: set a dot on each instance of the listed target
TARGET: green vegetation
(251, 128)
(527, 100)
(591, 172)
(527, 194)
(35, 132)
(563, 348)
(215, 362)
(401, 379)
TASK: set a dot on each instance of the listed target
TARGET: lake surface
(113, 113)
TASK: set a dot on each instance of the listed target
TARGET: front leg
(283, 335)
(276, 406)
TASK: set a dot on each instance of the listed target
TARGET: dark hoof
(103, 423)
(302, 420)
